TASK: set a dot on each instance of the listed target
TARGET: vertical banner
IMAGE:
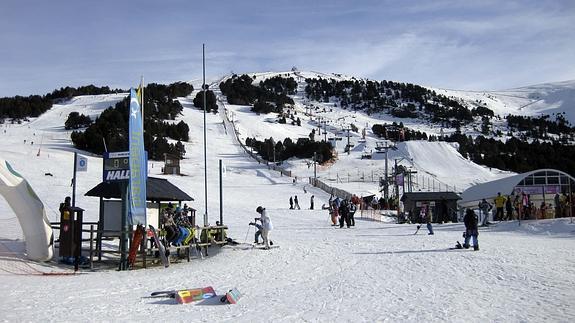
(138, 173)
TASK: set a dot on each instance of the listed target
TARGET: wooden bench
(213, 241)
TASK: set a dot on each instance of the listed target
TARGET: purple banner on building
(399, 179)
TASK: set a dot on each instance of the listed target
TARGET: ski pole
(249, 228)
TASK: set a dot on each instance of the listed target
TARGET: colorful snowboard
(137, 237)
(232, 296)
(161, 248)
(187, 295)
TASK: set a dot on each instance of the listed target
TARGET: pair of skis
(250, 246)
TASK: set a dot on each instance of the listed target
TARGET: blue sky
(477, 45)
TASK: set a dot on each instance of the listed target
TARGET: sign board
(117, 166)
(81, 163)
(552, 189)
(530, 190)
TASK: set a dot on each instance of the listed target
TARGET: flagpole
(205, 142)
(142, 101)
(74, 180)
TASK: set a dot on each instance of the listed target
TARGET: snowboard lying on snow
(183, 296)
(232, 296)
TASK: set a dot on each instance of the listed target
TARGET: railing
(144, 251)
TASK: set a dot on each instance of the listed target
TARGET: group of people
(177, 225)
(381, 203)
(342, 211)
(521, 207)
(294, 203)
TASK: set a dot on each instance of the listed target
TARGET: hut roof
(157, 189)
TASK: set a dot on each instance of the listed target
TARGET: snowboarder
(485, 207)
(471, 231)
(427, 217)
(296, 203)
(267, 225)
(311, 202)
(291, 203)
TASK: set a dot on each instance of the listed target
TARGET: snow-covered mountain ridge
(311, 276)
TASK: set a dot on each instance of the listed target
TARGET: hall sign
(117, 166)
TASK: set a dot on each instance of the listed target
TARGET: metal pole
(74, 181)
(91, 246)
(124, 233)
(142, 103)
(570, 201)
(314, 168)
(386, 187)
(221, 195)
(348, 147)
(395, 180)
(205, 142)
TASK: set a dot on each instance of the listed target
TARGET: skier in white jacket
(267, 226)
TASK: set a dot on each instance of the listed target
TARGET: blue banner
(138, 163)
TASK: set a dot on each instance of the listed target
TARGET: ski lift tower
(348, 146)
(385, 183)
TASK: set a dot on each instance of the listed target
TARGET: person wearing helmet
(267, 225)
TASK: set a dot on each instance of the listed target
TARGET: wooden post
(91, 246)
(77, 236)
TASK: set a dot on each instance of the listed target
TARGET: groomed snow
(371, 272)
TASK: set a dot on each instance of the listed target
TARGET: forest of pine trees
(270, 96)
(302, 148)
(19, 108)
(539, 142)
(111, 127)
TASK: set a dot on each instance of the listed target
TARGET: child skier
(258, 230)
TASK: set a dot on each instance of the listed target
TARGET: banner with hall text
(138, 161)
